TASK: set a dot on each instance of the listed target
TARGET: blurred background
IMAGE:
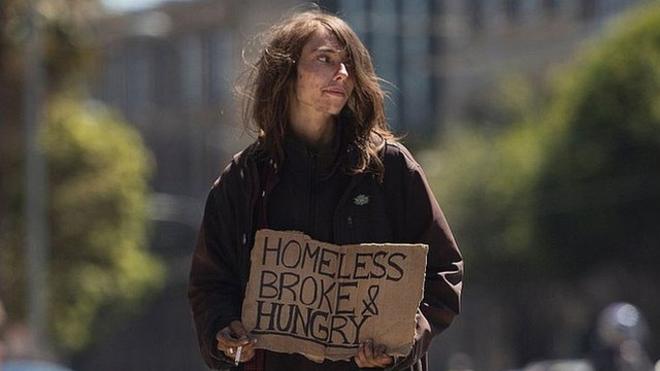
(537, 122)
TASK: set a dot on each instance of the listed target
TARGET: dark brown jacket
(401, 209)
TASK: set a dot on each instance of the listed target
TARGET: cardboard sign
(323, 300)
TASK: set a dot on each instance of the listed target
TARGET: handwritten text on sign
(322, 300)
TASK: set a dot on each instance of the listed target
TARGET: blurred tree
(98, 171)
(599, 189)
(483, 177)
(98, 184)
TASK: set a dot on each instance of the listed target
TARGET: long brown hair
(271, 83)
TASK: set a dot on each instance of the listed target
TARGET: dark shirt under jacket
(304, 199)
(308, 191)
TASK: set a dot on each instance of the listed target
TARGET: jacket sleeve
(214, 289)
(422, 221)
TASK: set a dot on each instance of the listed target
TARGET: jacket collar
(299, 156)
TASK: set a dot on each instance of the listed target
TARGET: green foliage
(483, 184)
(98, 170)
(574, 185)
(599, 190)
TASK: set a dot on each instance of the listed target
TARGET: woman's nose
(342, 72)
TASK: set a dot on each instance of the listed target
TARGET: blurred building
(170, 71)
(441, 58)
(490, 40)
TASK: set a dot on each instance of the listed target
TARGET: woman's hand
(372, 355)
(234, 336)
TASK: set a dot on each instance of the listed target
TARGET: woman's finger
(368, 350)
(368, 358)
(247, 349)
(247, 354)
(239, 332)
(383, 360)
(359, 357)
(380, 358)
(372, 355)
(237, 329)
(228, 343)
(379, 349)
(226, 340)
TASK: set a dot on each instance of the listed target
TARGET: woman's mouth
(335, 92)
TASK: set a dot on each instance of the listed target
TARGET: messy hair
(271, 84)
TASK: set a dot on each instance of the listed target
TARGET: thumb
(238, 330)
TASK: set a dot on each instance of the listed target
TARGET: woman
(324, 164)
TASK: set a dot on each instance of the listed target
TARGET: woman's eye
(323, 58)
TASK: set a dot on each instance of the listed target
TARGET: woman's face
(323, 82)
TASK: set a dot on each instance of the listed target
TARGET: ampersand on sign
(370, 307)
